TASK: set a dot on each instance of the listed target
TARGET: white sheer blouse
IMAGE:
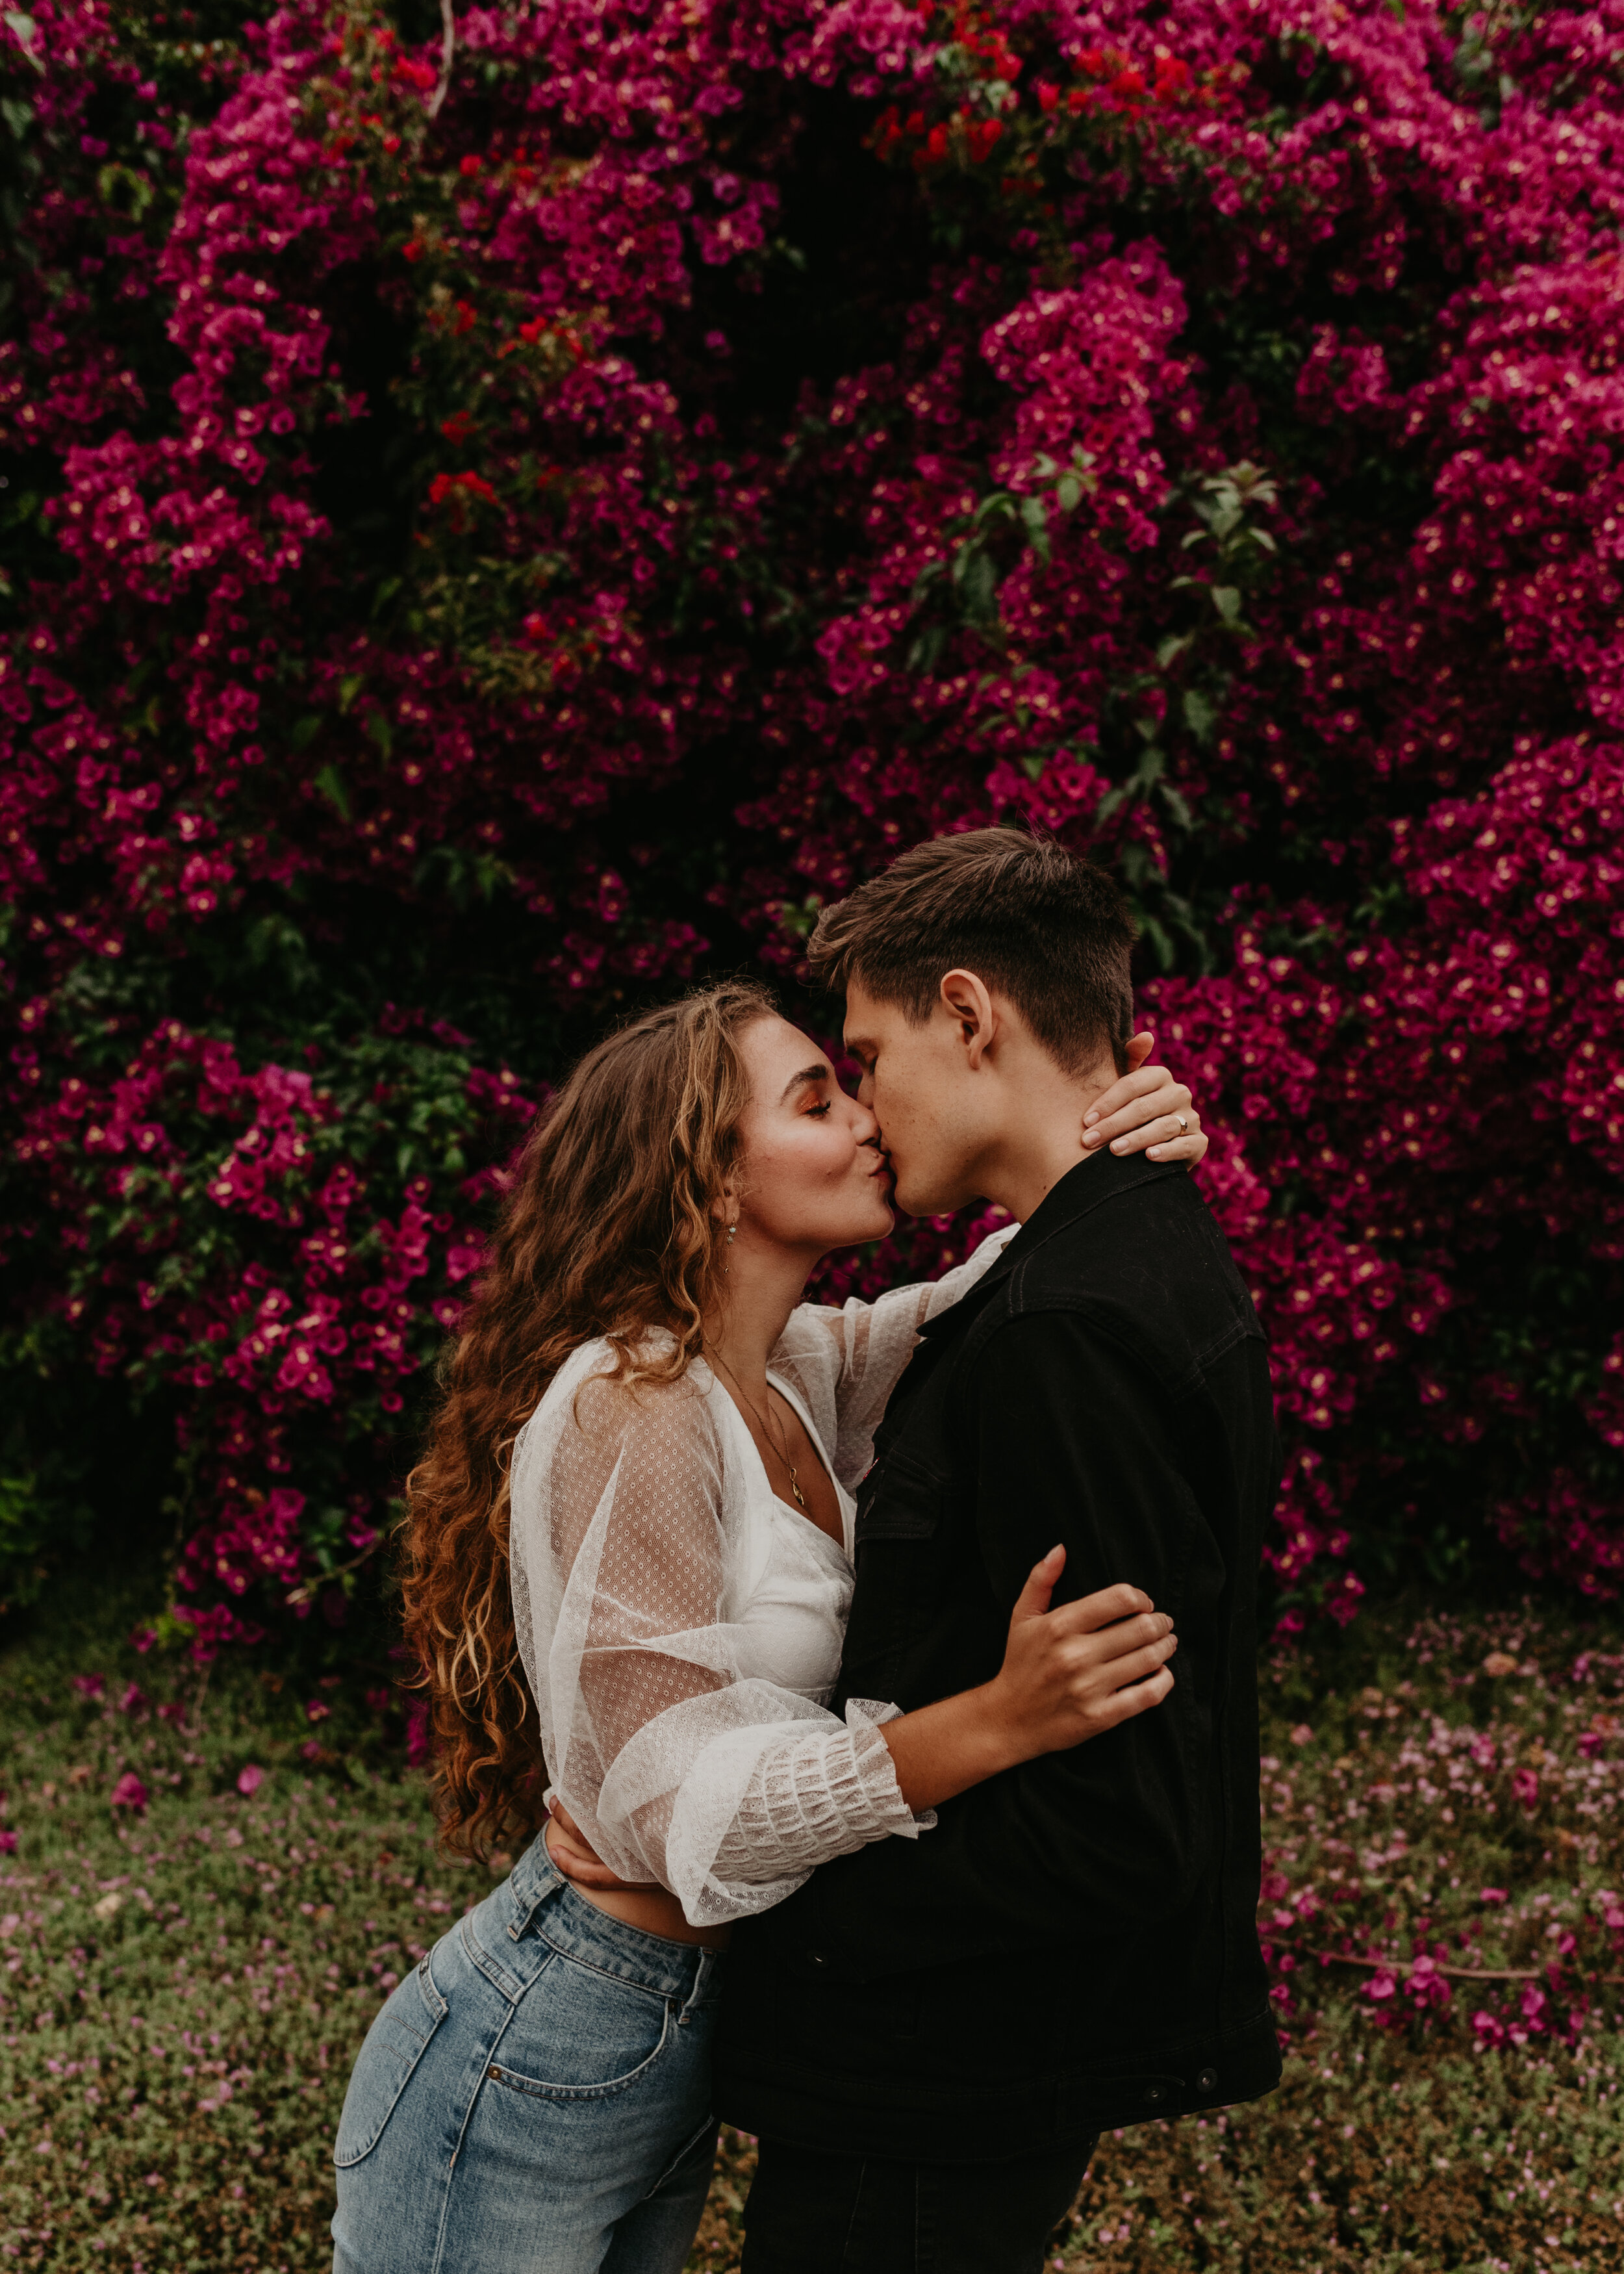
(681, 1626)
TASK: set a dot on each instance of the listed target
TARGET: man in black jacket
(928, 2037)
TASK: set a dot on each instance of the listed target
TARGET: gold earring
(731, 1228)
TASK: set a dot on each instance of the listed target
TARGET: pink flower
(130, 1792)
(250, 1778)
(90, 1686)
(316, 1711)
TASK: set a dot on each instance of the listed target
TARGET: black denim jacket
(1073, 1947)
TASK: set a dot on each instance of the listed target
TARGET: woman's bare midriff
(654, 1911)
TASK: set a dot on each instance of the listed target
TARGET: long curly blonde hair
(608, 1230)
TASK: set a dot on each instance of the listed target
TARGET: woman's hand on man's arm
(1067, 1675)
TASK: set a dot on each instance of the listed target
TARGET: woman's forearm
(944, 1749)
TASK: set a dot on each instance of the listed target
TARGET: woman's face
(813, 1177)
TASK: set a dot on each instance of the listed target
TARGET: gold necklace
(794, 1478)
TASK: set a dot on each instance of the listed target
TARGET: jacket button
(1206, 2080)
(1153, 2094)
(817, 1958)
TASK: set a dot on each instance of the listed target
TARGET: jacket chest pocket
(899, 1499)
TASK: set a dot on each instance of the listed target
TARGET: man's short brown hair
(1048, 929)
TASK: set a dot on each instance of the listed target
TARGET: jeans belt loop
(702, 1977)
(519, 1926)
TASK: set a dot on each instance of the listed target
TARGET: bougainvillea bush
(506, 509)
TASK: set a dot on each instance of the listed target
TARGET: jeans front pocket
(580, 2034)
(394, 2044)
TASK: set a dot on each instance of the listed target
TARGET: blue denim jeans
(535, 2099)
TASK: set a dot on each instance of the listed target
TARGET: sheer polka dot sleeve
(632, 1540)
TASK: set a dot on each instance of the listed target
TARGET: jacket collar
(1099, 1177)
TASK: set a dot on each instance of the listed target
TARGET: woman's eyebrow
(806, 1074)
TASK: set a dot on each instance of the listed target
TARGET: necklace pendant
(795, 1486)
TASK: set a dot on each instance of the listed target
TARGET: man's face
(930, 1108)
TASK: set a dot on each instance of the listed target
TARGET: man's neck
(1043, 1144)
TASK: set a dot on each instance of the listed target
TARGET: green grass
(182, 1987)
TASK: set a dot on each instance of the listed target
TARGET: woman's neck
(762, 1286)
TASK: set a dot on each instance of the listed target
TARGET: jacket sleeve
(1068, 1441)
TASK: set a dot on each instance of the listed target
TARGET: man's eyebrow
(806, 1074)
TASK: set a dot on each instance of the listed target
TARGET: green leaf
(330, 782)
(1176, 805)
(1200, 715)
(22, 28)
(379, 730)
(1068, 491)
(1033, 764)
(1036, 523)
(1227, 600)
(304, 731)
(1170, 649)
(979, 587)
(349, 688)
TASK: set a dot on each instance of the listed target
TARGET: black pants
(815, 2214)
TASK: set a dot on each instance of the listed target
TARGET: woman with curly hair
(628, 1571)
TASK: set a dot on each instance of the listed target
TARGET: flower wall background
(486, 541)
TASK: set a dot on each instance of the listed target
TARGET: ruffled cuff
(827, 1793)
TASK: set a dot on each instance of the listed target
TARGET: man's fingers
(1034, 1598)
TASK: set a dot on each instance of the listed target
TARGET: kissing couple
(839, 1643)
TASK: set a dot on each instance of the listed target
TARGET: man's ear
(971, 1008)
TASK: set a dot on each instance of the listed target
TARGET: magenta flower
(250, 1778)
(130, 1793)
